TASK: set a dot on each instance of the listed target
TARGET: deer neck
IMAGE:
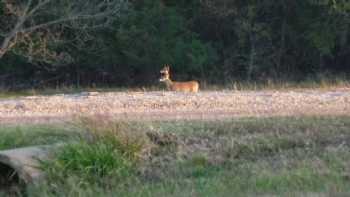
(168, 83)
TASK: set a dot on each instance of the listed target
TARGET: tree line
(125, 43)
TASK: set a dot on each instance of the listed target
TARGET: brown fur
(187, 86)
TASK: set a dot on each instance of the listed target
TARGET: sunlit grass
(320, 81)
(28, 135)
(288, 156)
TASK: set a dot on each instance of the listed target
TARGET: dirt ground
(159, 105)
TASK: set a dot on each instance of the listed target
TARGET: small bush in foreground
(106, 153)
(90, 163)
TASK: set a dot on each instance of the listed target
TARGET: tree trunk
(344, 36)
(5, 46)
(321, 62)
(282, 45)
(252, 54)
(78, 77)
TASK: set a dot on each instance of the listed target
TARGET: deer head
(164, 73)
(165, 69)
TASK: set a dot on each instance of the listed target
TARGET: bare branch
(3, 34)
(30, 17)
(37, 7)
(221, 8)
(62, 20)
(26, 9)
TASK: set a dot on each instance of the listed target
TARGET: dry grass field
(211, 143)
(175, 105)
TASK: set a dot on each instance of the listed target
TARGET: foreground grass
(269, 156)
(24, 135)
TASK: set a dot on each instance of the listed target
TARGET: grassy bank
(322, 83)
(270, 156)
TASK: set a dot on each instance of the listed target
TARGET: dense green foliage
(214, 41)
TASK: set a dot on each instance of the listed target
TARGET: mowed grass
(283, 156)
(29, 135)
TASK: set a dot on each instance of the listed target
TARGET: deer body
(186, 86)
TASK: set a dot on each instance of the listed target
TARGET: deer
(184, 86)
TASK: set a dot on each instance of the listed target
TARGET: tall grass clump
(106, 154)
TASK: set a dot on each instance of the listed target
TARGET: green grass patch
(89, 163)
(283, 156)
(28, 135)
